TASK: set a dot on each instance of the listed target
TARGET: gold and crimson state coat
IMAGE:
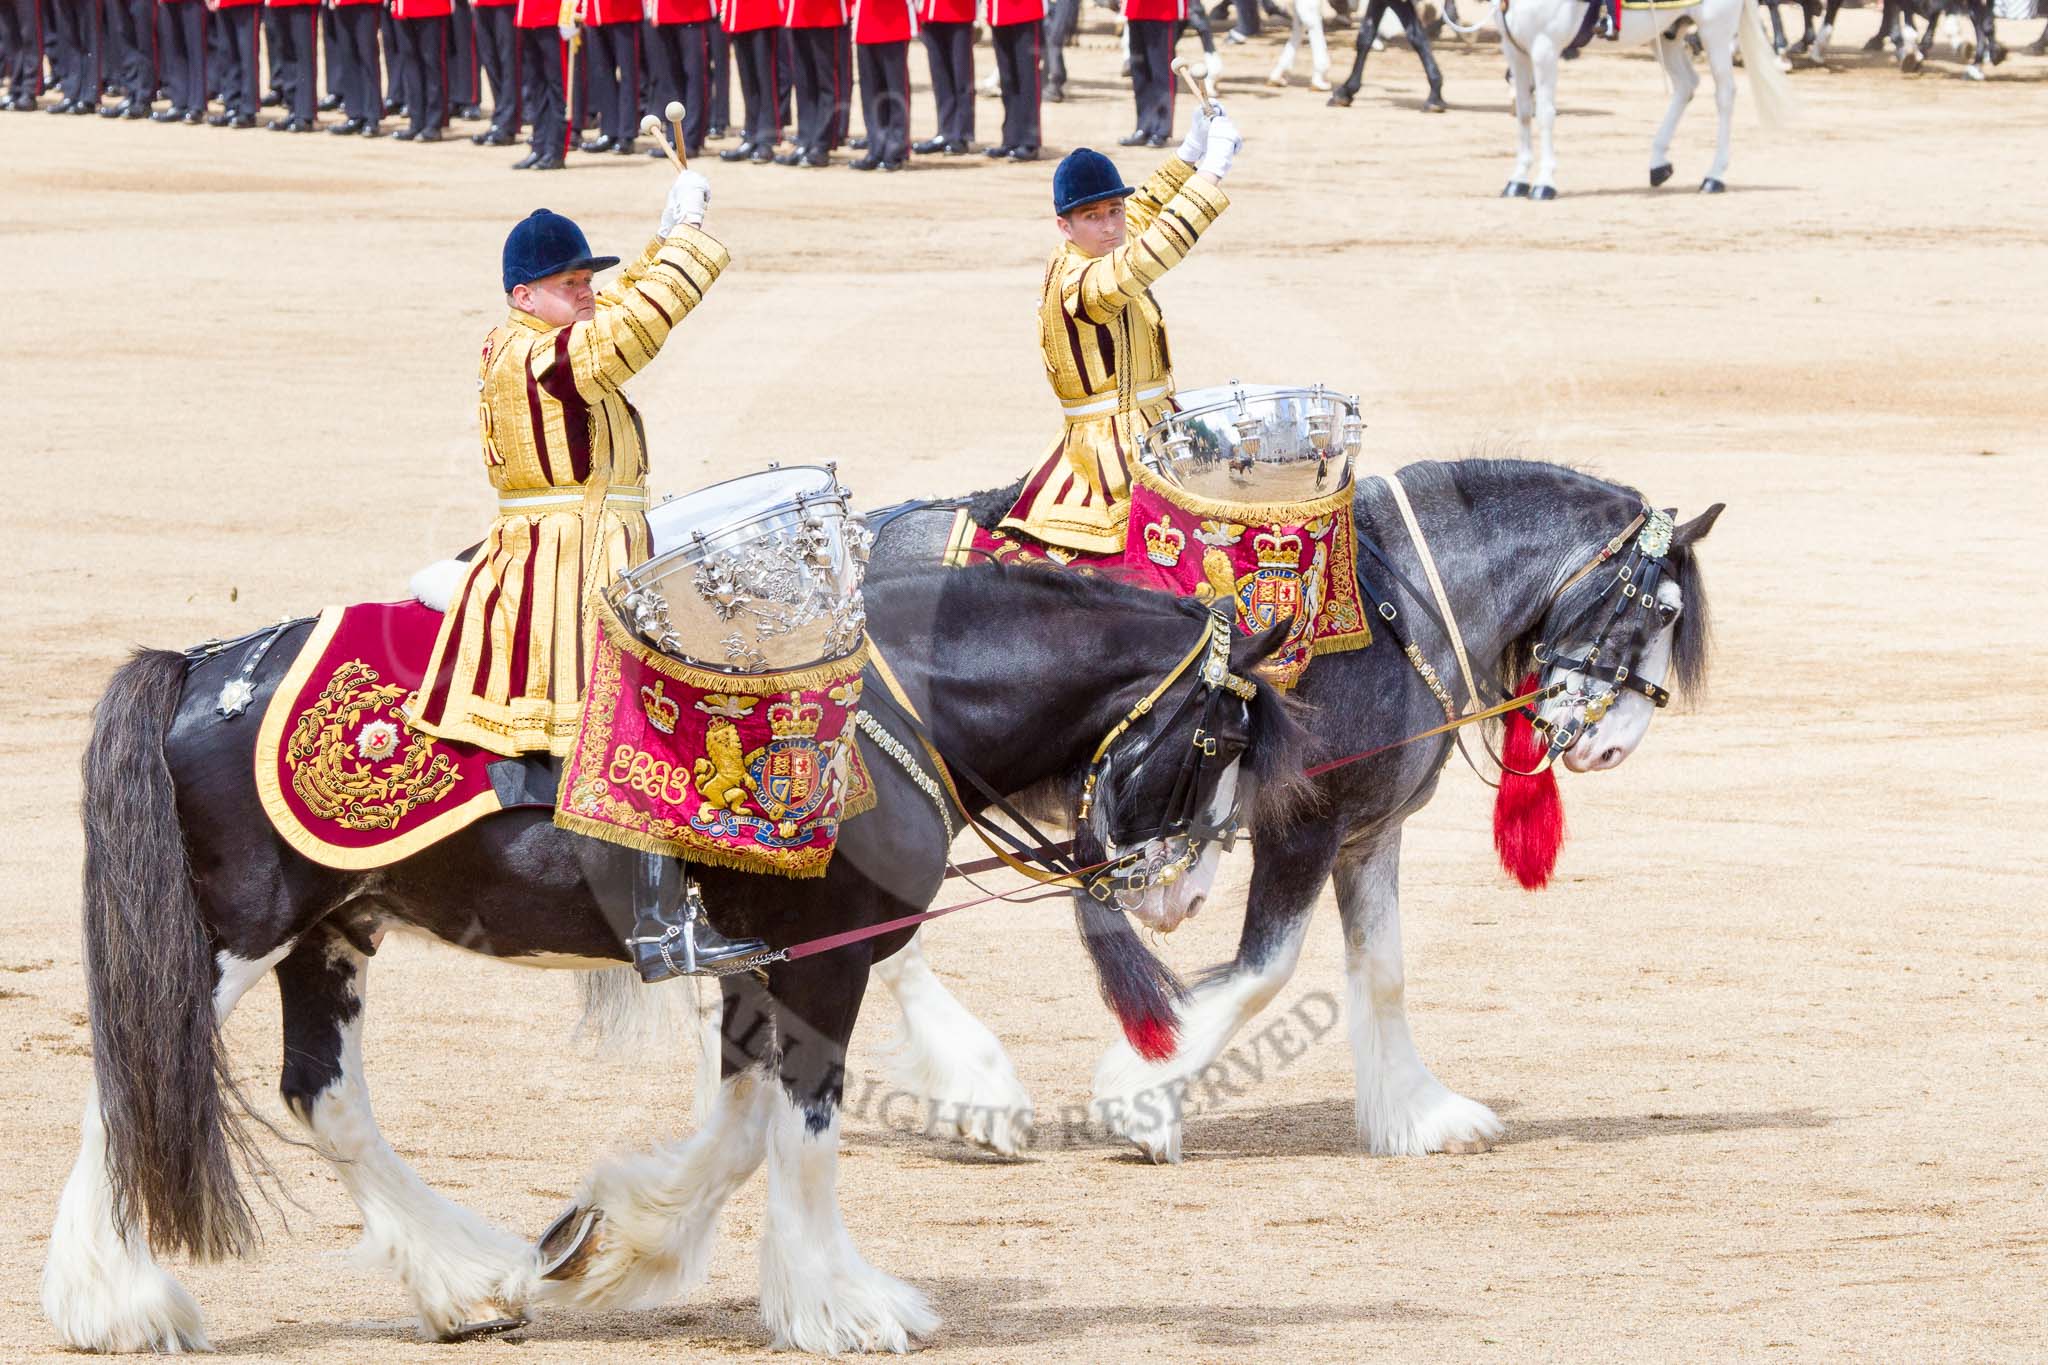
(568, 457)
(1107, 360)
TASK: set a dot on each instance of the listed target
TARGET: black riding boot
(671, 934)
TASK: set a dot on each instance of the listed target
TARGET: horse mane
(1691, 643)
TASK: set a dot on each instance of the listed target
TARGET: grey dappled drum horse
(1505, 535)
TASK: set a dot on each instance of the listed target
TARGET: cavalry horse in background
(1536, 33)
(1521, 574)
(191, 897)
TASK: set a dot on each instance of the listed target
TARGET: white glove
(1197, 141)
(568, 32)
(1224, 140)
(687, 200)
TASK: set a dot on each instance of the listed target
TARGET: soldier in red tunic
(611, 72)
(753, 25)
(497, 48)
(949, 44)
(814, 29)
(297, 27)
(882, 30)
(352, 62)
(1154, 26)
(542, 59)
(422, 67)
(240, 23)
(1017, 32)
(679, 53)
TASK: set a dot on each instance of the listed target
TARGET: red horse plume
(1528, 814)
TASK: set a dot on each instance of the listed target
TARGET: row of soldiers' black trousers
(679, 68)
(822, 77)
(241, 71)
(497, 54)
(1018, 49)
(21, 38)
(353, 52)
(1152, 78)
(539, 68)
(74, 41)
(423, 71)
(1061, 18)
(950, 48)
(611, 73)
(758, 65)
(296, 37)
(128, 46)
(885, 98)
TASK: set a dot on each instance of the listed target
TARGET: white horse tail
(1492, 15)
(1767, 81)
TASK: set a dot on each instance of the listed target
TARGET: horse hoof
(487, 1327)
(1911, 63)
(1659, 174)
(1712, 186)
(1339, 99)
(1975, 73)
(1517, 189)
(569, 1243)
(1544, 192)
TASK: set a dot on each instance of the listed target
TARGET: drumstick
(674, 115)
(651, 127)
(1187, 73)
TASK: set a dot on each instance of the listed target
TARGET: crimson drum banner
(749, 771)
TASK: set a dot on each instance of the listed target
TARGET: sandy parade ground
(1770, 1051)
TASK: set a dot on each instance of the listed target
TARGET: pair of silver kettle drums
(762, 573)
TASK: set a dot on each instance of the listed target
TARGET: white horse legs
(463, 1275)
(1308, 19)
(1403, 1110)
(1142, 1100)
(1721, 62)
(817, 1294)
(660, 1209)
(948, 1057)
(1522, 74)
(102, 1289)
(1677, 62)
(1544, 54)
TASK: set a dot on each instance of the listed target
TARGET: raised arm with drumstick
(1100, 329)
(567, 459)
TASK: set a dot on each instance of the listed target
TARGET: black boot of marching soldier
(671, 934)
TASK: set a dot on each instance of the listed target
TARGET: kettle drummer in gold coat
(567, 454)
(1101, 332)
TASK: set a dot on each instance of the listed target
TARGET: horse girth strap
(901, 698)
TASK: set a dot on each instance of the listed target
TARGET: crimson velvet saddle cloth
(750, 771)
(1273, 560)
(343, 779)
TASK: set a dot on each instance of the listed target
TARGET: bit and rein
(1120, 874)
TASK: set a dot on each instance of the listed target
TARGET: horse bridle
(1131, 874)
(1184, 826)
(1644, 546)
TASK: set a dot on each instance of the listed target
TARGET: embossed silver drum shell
(758, 574)
(1257, 443)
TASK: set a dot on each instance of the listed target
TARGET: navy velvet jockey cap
(1084, 177)
(543, 244)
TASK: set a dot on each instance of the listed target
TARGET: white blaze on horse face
(1165, 908)
(1609, 742)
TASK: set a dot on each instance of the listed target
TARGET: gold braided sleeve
(635, 315)
(1166, 216)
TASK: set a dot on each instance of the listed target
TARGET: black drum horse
(190, 898)
(1540, 570)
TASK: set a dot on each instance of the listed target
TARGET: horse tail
(1775, 104)
(1492, 15)
(157, 1055)
(1139, 989)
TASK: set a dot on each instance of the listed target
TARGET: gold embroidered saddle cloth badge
(1273, 560)
(749, 771)
(342, 778)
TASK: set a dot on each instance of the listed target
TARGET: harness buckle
(1387, 612)
(1620, 673)
(1206, 742)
